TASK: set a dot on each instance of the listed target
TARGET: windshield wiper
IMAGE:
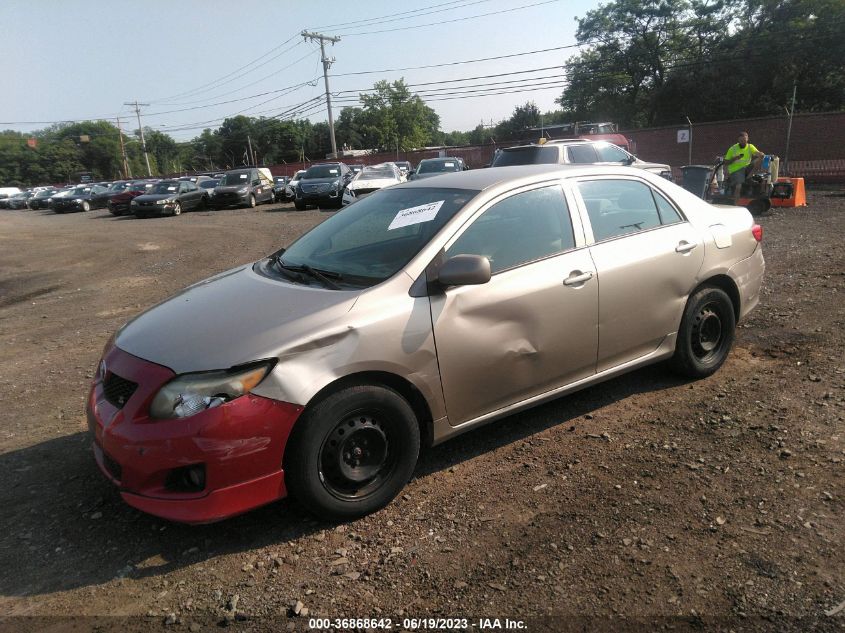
(311, 272)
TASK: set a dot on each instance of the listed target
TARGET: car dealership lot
(645, 496)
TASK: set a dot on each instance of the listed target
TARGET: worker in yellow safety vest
(741, 160)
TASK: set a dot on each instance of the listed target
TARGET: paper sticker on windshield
(449, 164)
(416, 215)
(171, 188)
(242, 176)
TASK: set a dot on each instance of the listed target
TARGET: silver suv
(575, 151)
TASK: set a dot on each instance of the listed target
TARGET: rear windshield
(526, 156)
(322, 171)
(437, 166)
(235, 178)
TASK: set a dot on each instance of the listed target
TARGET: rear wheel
(352, 452)
(706, 334)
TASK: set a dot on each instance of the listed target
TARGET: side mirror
(464, 270)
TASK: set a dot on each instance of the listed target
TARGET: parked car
(322, 186)
(280, 184)
(370, 179)
(121, 202)
(290, 189)
(404, 166)
(209, 186)
(20, 200)
(41, 200)
(169, 197)
(321, 377)
(575, 152)
(429, 167)
(82, 198)
(356, 168)
(4, 200)
(8, 192)
(197, 180)
(247, 187)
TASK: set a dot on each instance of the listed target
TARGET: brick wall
(816, 148)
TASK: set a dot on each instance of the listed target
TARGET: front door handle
(577, 278)
(685, 247)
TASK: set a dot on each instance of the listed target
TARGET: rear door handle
(685, 247)
(576, 278)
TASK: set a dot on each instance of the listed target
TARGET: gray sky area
(75, 59)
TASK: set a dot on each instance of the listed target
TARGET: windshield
(372, 239)
(377, 172)
(80, 191)
(526, 156)
(45, 194)
(235, 178)
(436, 166)
(322, 171)
(165, 187)
(119, 186)
(209, 184)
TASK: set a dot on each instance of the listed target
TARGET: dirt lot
(643, 503)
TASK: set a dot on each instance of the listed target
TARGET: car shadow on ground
(67, 527)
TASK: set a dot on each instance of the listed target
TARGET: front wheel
(299, 205)
(706, 334)
(86, 206)
(252, 202)
(352, 452)
(177, 209)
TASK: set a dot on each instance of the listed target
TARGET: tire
(177, 209)
(252, 204)
(203, 205)
(86, 206)
(300, 206)
(373, 421)
(706, 334)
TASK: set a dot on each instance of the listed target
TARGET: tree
(392, 118)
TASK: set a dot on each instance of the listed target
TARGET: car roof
(481, 179)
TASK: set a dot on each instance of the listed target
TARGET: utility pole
(251, 153)
(689, 159)
(789, 129)
(123, 151)
(141, 130)
(327, 63)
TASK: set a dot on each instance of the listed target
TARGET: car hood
(372, 183)
(641, 164)
(318, 181)
(230, 188)
(235, 317)
(152, 197)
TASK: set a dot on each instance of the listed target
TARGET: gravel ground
(644, 503)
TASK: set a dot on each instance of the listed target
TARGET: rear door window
(619, 207)
(525, 227)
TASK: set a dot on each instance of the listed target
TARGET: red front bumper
(240, 443)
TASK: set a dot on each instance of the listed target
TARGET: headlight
(77, 199)
(336, 183)
(243, 189)
(190, 394)
(135, 202)
(162, 201)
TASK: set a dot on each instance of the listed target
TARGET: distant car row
(324, 185)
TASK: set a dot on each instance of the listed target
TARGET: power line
(441, 22)
(234, 72)
(460, 5)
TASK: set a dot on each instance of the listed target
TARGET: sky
(66, 60)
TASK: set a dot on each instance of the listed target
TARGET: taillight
(757, 232)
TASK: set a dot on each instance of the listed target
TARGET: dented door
(520, 335)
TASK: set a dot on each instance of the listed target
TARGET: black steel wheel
(706, 334)
(351, 453)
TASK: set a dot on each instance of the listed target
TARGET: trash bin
(696, 179)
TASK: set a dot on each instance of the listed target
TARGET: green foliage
(652, 62)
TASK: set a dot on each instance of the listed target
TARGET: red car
(119, 203)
